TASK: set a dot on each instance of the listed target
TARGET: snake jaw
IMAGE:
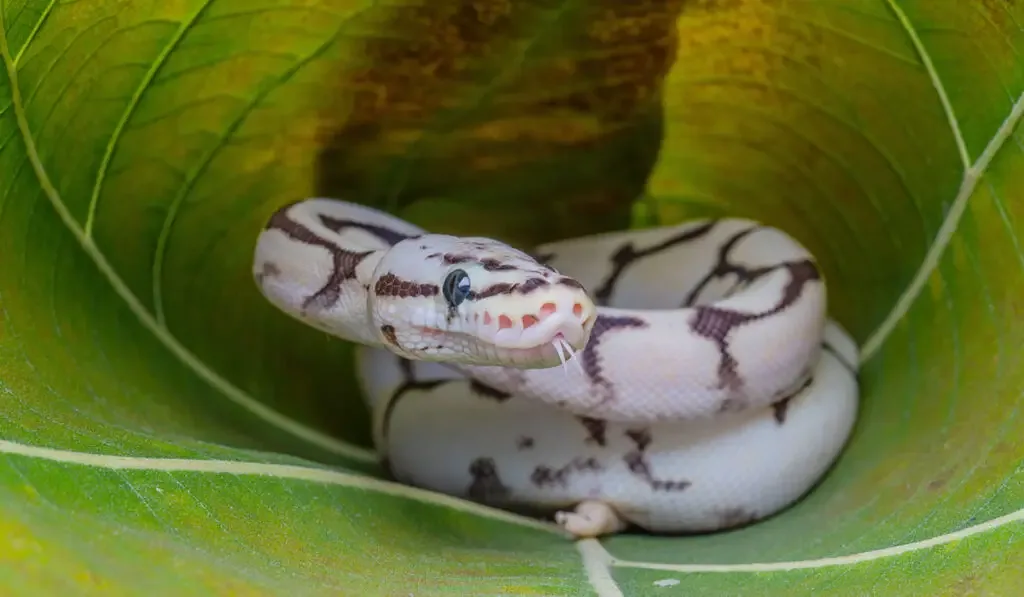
(558, 329)
(538, 338)
(529, 331)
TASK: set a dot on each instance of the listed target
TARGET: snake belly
(713, 390)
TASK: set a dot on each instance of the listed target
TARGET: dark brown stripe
(596, 429)
(486, 391)
(452, 259)
(531, 284)
(506, 288)
(716, 324)
(839, 357)
(388, 331)
(492, 290)
(571, 283)
(389, 236)
(723, 267)
(544, 475)
(391, 285)
(486, 485)
(627, 254)
(780, 408)
(344, 263)
(590, 356)
(636, 461)
(409, 383)
(493, 265)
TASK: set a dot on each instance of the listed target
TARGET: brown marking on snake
(451, 258)
(409, 383)
(531, 284)
(596, 430)
(487, 484)
(493, 265)
(388, 331)
(563, 281)
(488, 263)
(492, 290)
(781, 407)
(524, 443)
(386, 235)
(735, 517)
(779, 410)
(590, 358)
(636, 461)
(544, 475)
(723, 267)
(839, 357)
(344, 263)
(486, 391)
(268, 270)
(716, 324)
(391, 285)
(640, 437)
(628, 254)
(506, 288)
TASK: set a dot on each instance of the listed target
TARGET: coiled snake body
(684, 378)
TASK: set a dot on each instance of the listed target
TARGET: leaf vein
(160, 254)
(597, 563)
(115, 136)
(933, 75)
(844, 560)
(312, 436)
(972, 176)
(32, 34)
(279, 472)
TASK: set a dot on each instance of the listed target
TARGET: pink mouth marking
(528, 321)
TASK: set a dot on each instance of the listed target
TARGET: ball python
(675, 379)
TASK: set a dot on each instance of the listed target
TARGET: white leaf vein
(972, 176)
(264, 469)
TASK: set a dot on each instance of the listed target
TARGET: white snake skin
(705, 386)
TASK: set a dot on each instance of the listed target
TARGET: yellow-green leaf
(165, 431)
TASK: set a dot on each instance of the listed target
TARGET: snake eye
(455, 287)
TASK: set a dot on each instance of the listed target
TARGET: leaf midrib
(972, 174)
(140, 90)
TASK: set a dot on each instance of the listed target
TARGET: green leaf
(166, 431)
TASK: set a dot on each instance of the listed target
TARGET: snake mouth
(548, 335)
(552, 322)
(556, 349)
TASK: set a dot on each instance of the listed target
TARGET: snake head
(477, 301)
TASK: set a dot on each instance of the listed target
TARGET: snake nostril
(547, 309)
(504, 322)
(529, 320)
(577, 309)
(487, 319)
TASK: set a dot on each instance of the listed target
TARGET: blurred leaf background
(165, 431)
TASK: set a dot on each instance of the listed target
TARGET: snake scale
(677, 379)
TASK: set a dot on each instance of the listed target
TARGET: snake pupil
(455, 287)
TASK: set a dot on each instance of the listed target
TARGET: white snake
(704, 385)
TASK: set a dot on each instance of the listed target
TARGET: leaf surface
(165, 430)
